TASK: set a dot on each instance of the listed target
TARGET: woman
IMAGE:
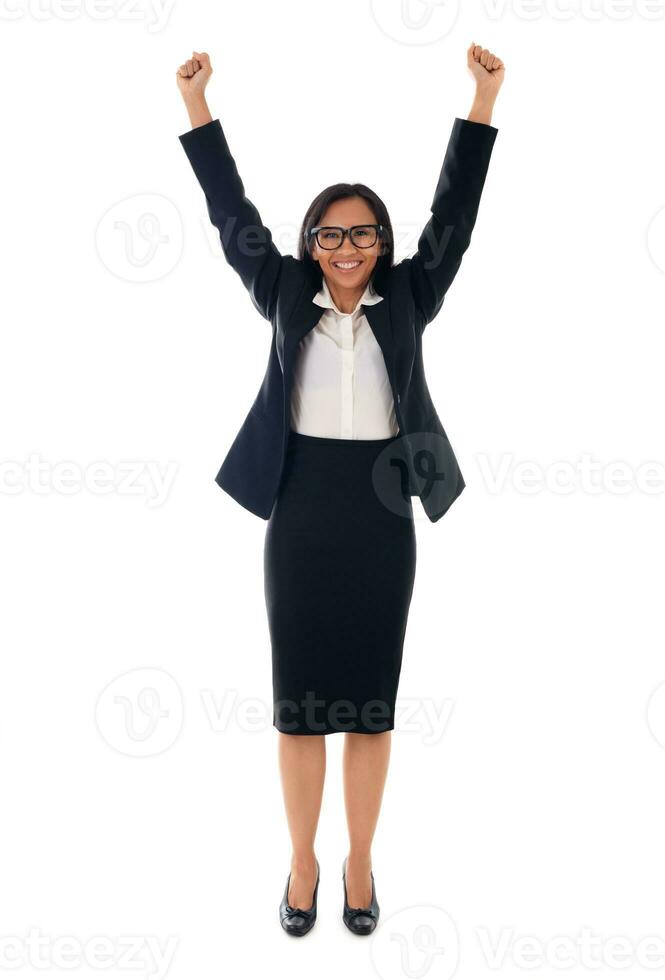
(341, 435)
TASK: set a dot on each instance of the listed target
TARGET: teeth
(346, 265)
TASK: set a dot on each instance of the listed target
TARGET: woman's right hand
(193, 76)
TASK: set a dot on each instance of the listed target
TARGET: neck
(345, 300)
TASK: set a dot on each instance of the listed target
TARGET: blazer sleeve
(246, 242)
(447, 234)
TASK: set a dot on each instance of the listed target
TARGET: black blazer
(282, 288)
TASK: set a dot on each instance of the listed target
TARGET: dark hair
(317, 209)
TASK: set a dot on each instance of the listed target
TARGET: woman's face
(345, 213)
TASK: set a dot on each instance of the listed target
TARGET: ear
(309, 247)
(384, 243)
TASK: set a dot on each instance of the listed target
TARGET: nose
(347, 247)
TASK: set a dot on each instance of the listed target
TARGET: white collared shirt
(340, 382)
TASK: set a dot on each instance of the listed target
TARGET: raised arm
(246, 242)
(447, 234)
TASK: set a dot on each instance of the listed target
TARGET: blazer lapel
(378, 317)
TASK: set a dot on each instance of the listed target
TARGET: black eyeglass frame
(313, 233)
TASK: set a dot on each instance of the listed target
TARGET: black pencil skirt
(339, 570)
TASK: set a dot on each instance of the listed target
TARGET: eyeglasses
(331, 236)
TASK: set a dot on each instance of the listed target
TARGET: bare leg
(365, 763)
(302, 762)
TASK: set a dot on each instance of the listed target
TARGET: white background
(533, 809)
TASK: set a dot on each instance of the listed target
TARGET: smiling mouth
(347, 266)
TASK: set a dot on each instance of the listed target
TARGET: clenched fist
(487, 69)
(193, 75)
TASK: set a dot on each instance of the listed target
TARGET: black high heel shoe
(296, 921)
(360, 921)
